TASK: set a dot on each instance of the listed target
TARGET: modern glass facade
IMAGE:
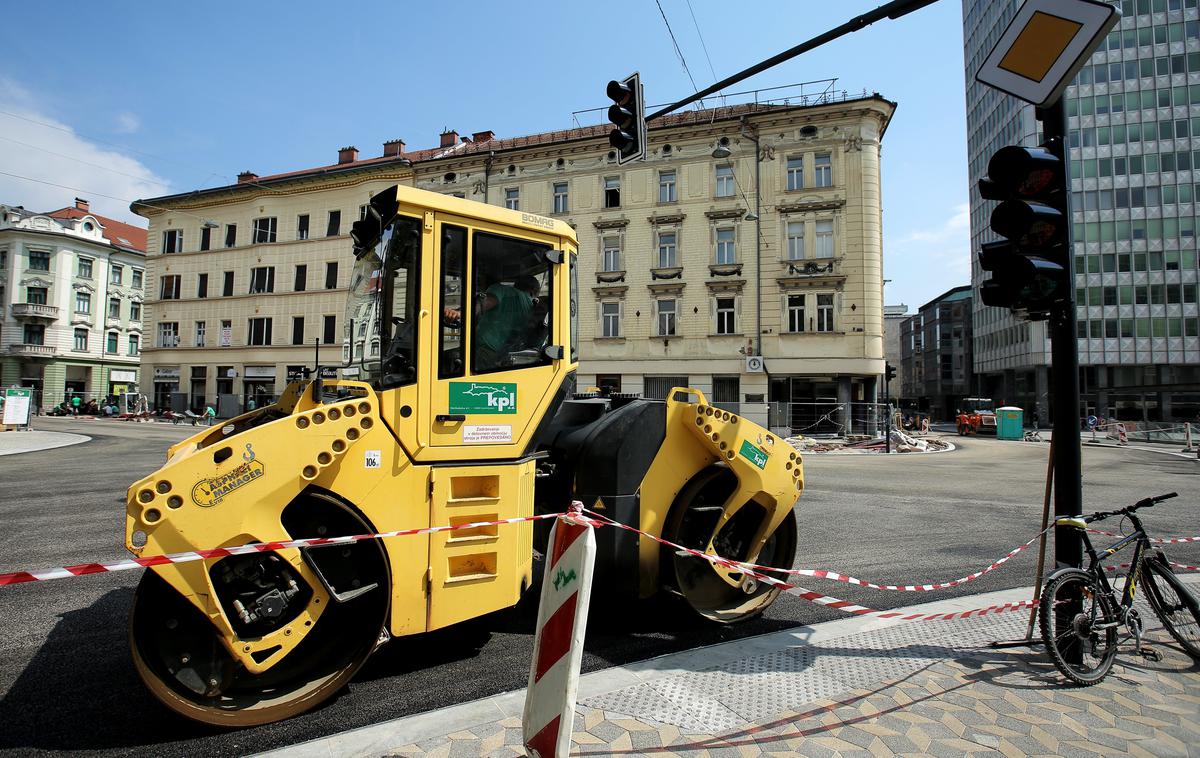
(1133, 126)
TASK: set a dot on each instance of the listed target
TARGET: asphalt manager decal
(208, 492)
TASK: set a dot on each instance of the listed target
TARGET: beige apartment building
(71, 304)
(688, 274)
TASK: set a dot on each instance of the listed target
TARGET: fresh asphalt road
(67, 682)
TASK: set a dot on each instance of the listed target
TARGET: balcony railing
(32, 351)
(34, 310)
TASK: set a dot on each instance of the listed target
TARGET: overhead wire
(678, 52)
(86, 163)
(101, 194)
(704, 47)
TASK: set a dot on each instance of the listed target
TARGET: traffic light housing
(889, 372)
(1031, 264)
(367, 231)
(628, 116)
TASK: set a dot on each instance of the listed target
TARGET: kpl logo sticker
(480, 398)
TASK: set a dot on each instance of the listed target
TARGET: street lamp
(721, 151)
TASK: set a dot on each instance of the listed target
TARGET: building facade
(936, 353)
(893, 318)
(71, 289)
(680, 281)
(1134, 139)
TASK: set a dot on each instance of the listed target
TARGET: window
(39, 260)
(265, 229)
(825, 313)
(135, 311)
(610, 319)
(362, 211)
(302, 226)
(726, 389)
(115, 273)
(666, 187)
(35, 295)
(334, 228)
(168, 334)
(795, 313)
(331, 275)
(657, 387)
(514, 324)
(666, 318)
(612, 192)
(135, 344)
(301, 278)
(201, 333)
(726, 315)
(110, 344)
(454, 266)
(795, 240)
(202, 286)
(227, 286)
(226, 336)
(666, 250)
(824, 239)
(328, 329)
(724, 181)
(114, 307)
(512, 198)
(262, 279)
(170, 287)
(823, 169)
(726, 246)
(259, 331)
(795, 172)
(205, 238)
(35, 334)
(610, 254)
(81, 340)
(172, 241)
(297, 330)
(230, 235)
(83, 302)
(137, 279)
(560, 197)
(84, 270)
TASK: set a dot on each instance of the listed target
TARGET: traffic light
(889, 372)
(1031, 266)
(628, 115)
(365, 232)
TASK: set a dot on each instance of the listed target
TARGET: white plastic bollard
(549, 716)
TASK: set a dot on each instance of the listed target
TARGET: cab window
(454, 264)
(511, 305)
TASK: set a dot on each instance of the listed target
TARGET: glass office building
(1133, 126)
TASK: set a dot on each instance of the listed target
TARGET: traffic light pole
(1064, 353)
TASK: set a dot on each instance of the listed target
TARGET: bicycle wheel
(1174, 604)
(1079, 626)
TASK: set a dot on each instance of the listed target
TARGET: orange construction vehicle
(977, 414)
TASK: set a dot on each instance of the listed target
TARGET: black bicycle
(1080, 612)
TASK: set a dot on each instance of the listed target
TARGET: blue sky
(141, 99)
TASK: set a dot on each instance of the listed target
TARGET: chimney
(485, 136)
(246, 177)
(449, 138)
(393, 148)
(81, 204)
(347, 154)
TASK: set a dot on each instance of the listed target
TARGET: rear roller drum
(179, 656)
(693, 520)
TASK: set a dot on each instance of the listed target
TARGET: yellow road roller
(454, 405)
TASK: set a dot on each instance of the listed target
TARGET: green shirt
(75, 401)
(498, 326)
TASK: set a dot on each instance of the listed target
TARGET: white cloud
(128, 123)
(923, 263)
(38, 146)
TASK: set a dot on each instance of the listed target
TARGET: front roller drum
(180, 658)
(692, 522)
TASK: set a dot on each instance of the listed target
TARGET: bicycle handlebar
(1143, 503)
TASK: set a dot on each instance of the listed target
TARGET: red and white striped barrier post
(549, 716)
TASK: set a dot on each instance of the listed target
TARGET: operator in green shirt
(504, 320)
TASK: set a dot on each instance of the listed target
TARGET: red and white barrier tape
(1183, 566)
(816, 597)
(20, 577)
(1155, 540)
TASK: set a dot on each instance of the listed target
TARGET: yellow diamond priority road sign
(1044, 47)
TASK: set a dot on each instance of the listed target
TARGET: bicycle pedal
(1150, 654)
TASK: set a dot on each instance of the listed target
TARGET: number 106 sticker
(373, 459)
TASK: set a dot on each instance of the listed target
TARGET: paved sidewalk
(12, 443)
(852, 687)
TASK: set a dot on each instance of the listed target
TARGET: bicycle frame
(1141, 544)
